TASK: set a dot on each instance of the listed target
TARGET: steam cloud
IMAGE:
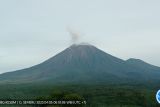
(74, 35)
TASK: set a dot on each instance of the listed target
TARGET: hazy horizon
(32, 31)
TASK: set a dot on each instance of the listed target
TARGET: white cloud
(34, 30)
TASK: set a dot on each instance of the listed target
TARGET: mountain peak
(81, 44)
(83, 63)
(140, 63)
(82, 47)
(135, 60)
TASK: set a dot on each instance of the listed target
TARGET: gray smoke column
(75, 35)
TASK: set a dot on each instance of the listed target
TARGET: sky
(32, 31)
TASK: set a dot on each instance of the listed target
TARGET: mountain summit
(84, 63)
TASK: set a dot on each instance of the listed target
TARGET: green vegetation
(88, 74)
(95, 95)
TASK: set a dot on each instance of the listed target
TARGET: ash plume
(75, 35)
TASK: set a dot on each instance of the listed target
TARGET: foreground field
(94, 95)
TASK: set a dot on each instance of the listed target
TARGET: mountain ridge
(84, 63)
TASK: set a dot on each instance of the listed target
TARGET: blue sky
(32, 31)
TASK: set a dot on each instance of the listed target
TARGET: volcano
(85, 64)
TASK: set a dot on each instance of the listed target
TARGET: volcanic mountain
(85, 63)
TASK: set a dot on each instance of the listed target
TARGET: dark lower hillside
(85, 72)
(95, 95)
